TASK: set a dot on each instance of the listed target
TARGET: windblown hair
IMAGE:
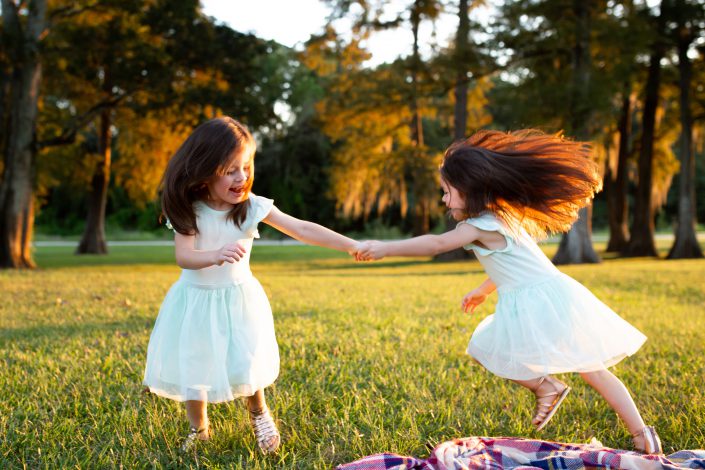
(205, 154)
(527, 178)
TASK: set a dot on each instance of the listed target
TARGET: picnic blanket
(471, 453)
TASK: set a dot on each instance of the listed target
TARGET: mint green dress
(545, 322)
(214, 339)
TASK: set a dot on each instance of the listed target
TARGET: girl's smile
(231, 187)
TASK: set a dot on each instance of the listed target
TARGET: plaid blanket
(516, 453)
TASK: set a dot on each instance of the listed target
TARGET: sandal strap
(264, 427)
(652, 443)
(545, 409)
(191, 437)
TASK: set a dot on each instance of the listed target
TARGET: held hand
(230, 253)
(472, 299)
(355, 251)
(371, 250)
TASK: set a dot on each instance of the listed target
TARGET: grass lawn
(372, 360)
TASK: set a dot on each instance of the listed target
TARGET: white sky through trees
(291, 22)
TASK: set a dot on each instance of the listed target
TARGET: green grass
(372, 360)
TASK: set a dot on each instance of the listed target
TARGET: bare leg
(617, 396)
(256, 403)
(197, 414)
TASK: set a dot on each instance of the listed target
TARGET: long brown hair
(539, 181)
(206, 153)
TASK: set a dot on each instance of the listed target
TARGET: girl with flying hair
(506, 190)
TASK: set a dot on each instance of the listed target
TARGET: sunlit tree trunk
(641, 240)
(576, 245)
(616, 185)
(686, 243)
(93, 239)
(17, 187)
(461, 107)
(4, 108)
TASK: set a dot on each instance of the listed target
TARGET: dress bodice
(216, 230)
(520, 263)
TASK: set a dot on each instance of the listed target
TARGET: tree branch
(69, 11)
(68, 135)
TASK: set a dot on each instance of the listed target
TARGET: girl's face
(230, 188)
(453, 201)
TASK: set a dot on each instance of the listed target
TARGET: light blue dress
(545, 322)
(214, 339)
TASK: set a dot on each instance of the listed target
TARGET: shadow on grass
(52, 257)
(36, 334)
(313, 257)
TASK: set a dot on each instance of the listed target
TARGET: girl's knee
(594, 375)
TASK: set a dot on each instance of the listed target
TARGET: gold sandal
(266, 433)
(545, 411)
(651, 441)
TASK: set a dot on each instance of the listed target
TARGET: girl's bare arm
(309, 232)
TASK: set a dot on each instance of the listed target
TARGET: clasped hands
(369, 250)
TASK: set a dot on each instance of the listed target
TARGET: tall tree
(641, 241)
(689, 19)
(141, 59)
(460, 110)
(413, 160)
(576, 244)
(629, 37)
(123, 60)
(616, 180)
(21, 39)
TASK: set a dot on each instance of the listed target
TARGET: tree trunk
(420, 213)
(461, 74)
(576, 245)
(461, 109)
(5, 80)
(93, 240)
(616, 187)
(421, 218)
(686, 243)
(16, 189)
(641, 241)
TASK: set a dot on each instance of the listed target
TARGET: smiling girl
(214, 337)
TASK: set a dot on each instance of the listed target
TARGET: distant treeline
(96, 95)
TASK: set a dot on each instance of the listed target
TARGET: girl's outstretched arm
(309, 232)
(425, 245)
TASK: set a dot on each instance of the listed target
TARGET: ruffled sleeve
(168, 225)
(489, 223)
(259, 209)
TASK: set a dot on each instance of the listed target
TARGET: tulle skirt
(551, 326)
(212, 343)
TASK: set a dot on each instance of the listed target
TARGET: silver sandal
(190, 440)
(266, 433)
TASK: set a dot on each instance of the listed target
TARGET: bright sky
(291, 22)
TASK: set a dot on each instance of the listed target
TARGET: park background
(96, 95)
